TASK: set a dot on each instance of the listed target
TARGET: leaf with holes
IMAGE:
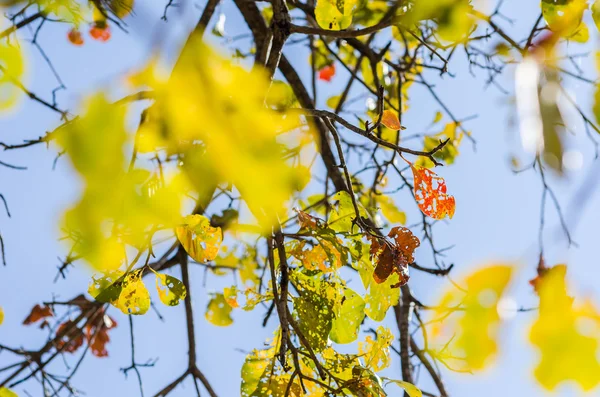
(347, 321)
(218, 311)
(335, 14)
(108, 287)
(170, 289)
(134, 297)
(199, 239)
(314, 307)
(394, 256)
(430, 193)
(376, 352)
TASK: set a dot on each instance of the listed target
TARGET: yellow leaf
(389, 210)
(230, 295)
(200, 240)
(116, 207)
(335, 14)
(565, 334)
(170, 290)
(134, 297)
(11, 71)
(563, 17)
(4, 392)
(218, 311)
(230, 102)
(376, 353)
(581, 35)
(473, 328)
(1, 315)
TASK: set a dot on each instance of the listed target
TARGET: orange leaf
(75, 37)
(394, 256)
(390, 120)
(327, 72)
(100, 31)
(430, 193)
(37, 313)
(308, 221)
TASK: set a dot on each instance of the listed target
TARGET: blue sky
(497, 215)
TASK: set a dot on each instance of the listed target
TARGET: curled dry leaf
(37, 313)
(308, 222)
(394, 256)
(390, 120)
(430, 193)
(199, 239)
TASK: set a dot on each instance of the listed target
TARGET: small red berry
(100, 31)
(75, 37)
(327, 72)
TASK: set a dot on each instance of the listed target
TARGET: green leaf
(379, 297)
(346, 324)
(344, 213)
(366, 383)
(335, 14)
(409, 388)
(170, 289)
(218, 311)
(108, 287)
(314, 308)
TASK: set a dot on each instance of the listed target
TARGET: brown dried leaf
(37, 313)
(395, 256)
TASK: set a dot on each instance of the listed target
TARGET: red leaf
(430, 193)
(327, 72)
(37, 313)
